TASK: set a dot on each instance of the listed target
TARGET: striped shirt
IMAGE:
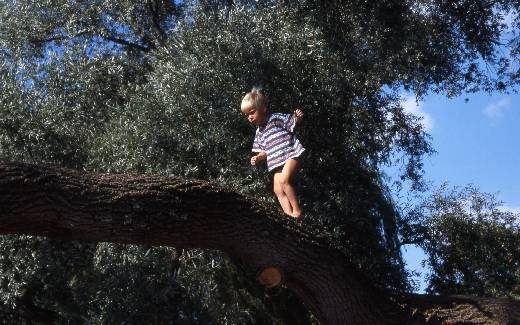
(276, 137)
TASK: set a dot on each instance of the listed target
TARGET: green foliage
(108, 283)
(472, 243)
(154, 87)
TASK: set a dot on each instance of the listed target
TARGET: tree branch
(127, 43)
(40, 41)
(111, 38)
(153, 8)
(154, 210)
(34, 313)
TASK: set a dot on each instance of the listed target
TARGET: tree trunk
(151, 210)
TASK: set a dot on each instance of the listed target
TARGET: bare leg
(280, 194)
(291, 167)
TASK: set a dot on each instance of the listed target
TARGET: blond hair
(254, 99)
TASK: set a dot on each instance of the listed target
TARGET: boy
(275, 141)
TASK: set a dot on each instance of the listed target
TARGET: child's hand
(298, 115)
(256, 159)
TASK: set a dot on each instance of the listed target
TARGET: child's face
(255, 116)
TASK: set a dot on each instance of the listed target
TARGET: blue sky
(476, 142)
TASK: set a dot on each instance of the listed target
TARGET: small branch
(57, 38)
(153, 7)
(29, 310)
(120, 41)
(128, 44)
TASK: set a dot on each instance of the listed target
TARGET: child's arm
(259, 157)
(289, 121)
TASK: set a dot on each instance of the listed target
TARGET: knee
(278, 189)
(283, 181)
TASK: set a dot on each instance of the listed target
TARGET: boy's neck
(264, 119)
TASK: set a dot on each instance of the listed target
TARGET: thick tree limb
(67, 204)
(153, 210)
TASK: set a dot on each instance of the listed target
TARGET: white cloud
(496, 110)
(410, 105)
(511, 209)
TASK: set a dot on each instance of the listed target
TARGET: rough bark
(154, 210)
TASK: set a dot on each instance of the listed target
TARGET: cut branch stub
(271, 277)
